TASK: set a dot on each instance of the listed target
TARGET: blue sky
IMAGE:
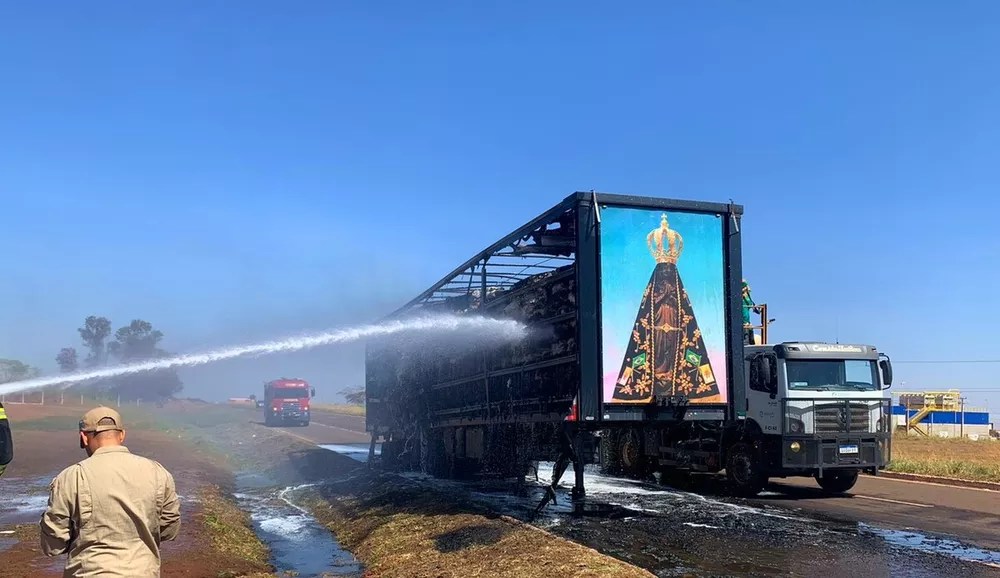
(626, 267)
(234, 170)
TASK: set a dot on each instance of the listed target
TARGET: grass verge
(400, 530)
(232, 535)
(963, 459)
(66, 423)
(26, 533)
(343, 408)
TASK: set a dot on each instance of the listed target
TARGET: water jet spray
(480, 326)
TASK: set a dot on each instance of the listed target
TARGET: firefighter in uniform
(6, 441)
(748, 305)
(111, 511)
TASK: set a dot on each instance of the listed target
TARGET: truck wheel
(744, 471)
(633, 460)
(432, 459)
(838, 482)
(611, 461)
(387, 458)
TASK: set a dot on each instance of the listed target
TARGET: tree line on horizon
(138, 341)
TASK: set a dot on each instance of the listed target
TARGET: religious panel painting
(662, 306)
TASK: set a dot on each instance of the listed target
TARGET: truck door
(763, 405)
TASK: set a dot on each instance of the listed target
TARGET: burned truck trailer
(633, 311)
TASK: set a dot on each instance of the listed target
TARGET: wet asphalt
(672, 532)
(691, 528)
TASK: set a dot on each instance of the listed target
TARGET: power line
(990, 389)
(948, 361)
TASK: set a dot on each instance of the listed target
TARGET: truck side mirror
(312, 392)
(768, 374)
(886, 366)
(765, 373)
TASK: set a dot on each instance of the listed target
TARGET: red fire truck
(286, 401)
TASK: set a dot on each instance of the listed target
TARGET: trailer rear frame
(581, 210)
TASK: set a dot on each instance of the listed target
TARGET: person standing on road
(6, 441)
(111, 511)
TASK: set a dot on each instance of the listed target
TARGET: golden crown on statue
(665, 244)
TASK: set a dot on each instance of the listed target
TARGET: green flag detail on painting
(666, 355)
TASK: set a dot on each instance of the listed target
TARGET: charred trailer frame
(494, 410)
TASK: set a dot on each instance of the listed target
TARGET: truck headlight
(795, 447)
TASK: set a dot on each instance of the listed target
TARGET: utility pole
(961, 430)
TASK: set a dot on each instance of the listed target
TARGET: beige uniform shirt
(110, 512)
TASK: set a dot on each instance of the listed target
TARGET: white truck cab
(817, 409)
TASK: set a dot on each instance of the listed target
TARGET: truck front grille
(843, 417)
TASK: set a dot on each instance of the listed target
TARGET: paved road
(323, 428)
(333, 428)
(969, 515)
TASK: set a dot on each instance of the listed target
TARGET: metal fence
(64, 398)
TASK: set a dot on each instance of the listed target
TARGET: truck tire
(388, 458)
(634, 463)
(743, 470)
(838, 482)
(432, 458)
(611, 462)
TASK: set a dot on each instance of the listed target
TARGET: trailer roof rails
(543, 244)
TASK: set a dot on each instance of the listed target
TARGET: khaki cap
(90, 420)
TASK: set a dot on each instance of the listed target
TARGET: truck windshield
(289, 393)
(831, 374)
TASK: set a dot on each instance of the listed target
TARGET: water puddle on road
(24, 500)
(357, 452)
(917, 541)
(674, 532)
(7, 540)
(635, 497)
(646, 530)
(300, 546)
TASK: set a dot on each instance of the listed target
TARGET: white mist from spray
(488, 328)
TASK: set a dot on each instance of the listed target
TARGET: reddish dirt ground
(45, 442)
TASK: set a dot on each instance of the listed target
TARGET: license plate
(849, 449)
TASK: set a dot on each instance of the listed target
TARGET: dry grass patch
(947, 457)
(232, 535)
(343, 408)
(395, 530)
(26, 533)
